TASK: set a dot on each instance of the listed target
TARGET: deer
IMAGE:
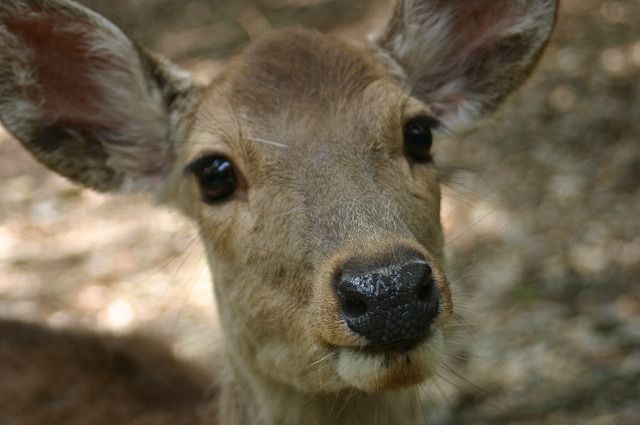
(306, 165)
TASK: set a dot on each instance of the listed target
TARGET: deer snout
(392, 306)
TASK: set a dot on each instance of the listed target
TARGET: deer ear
(84, 99)
(462, 57)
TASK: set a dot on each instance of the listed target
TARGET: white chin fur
(370, 372)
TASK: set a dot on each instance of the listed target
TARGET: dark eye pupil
(216, 177)
(418, 138)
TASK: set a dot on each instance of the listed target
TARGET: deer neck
(247, 398)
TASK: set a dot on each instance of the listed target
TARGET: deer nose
(393, 306)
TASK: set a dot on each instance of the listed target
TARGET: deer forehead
(298, 93)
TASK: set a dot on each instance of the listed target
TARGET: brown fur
(314, 129)
(56, 375)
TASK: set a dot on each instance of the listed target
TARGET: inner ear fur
(84, 99)
(463, 57)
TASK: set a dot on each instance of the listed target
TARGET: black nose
(392, 306)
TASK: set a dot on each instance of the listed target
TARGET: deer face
(328, 189)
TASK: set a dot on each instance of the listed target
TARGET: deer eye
(418, 138)
(216, 177)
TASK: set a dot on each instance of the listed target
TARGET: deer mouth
(374, 368)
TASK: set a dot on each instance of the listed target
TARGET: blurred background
(541, 212)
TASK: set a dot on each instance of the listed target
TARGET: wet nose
(392, 306)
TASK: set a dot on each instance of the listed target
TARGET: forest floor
(541, 211)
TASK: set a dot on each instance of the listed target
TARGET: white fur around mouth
(370, 372)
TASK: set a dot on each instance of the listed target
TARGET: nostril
(426, 284)
(354, 308)
(354, 303)
(424, 292)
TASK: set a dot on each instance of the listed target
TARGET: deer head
(306, 164)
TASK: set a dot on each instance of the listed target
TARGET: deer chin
(369, 371)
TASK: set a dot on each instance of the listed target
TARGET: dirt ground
(541, 211)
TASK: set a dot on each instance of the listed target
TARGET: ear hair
(462, 57)
(83, 98)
